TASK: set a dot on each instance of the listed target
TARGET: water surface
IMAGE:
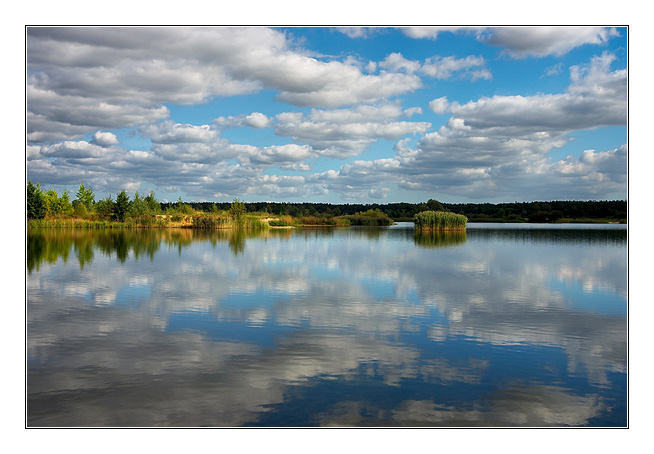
(502, 325)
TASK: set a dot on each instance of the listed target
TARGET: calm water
(504, 325)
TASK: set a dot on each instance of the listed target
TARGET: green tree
(79, 209)
(237, 211)
(85, 195)
(64, 206)
(435, 205)
(104, 208)
(35, 208)
(121, 206)
(138, 206)
(50, 202)
(154, 207)
(55, 205)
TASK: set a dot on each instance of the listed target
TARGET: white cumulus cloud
(105, 139)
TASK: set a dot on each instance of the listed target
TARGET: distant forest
(554, 211)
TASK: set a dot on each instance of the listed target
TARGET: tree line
(41, 203)
(549, 211)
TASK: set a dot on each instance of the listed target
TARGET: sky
(330, 114)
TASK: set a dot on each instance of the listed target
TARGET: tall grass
(440, 220)
(283, 221)
(73, 223)
(220, 221)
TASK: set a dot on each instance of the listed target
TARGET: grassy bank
(222, 220)
(193, 219)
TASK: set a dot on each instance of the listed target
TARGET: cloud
(87, 78)
(521, 42)
(606, 169)
(359, 180)
(378, 193)
(596, 97)
(553, 70)
(347, 132)
(255, 120)
(411, 111)
(91, 82)
(439, 105)
(341, 85)
(433, 32)
(105, 139)
(499, 146)
(396, 62)
(53, 116)
(444, 67)
(359, 32)
(437, 67)
(168, 132)
(284, 155)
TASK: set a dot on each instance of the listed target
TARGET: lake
(501, 325)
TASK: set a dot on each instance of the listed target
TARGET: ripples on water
(498, 326)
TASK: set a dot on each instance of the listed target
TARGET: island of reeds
(439, 220)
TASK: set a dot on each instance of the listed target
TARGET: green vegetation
(440, 220)
(237, 211)
(372, 217)
(554, 211)
(34, 202)
(85, 197)
(49, 209)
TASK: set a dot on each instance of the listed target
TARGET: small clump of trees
(42, 203)
(372, 217)
(48, 204)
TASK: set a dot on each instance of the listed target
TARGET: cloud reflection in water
(424, 332)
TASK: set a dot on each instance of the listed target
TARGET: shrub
(371, 218)
(79, 210)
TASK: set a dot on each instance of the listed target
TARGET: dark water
(499, 326)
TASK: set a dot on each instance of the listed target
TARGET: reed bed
(440, 220)
(73, 224)
(225, 222)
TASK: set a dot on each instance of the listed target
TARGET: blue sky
(326, 114)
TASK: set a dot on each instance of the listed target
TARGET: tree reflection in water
(50, 245)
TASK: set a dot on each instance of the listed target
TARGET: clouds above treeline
(322, 126)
